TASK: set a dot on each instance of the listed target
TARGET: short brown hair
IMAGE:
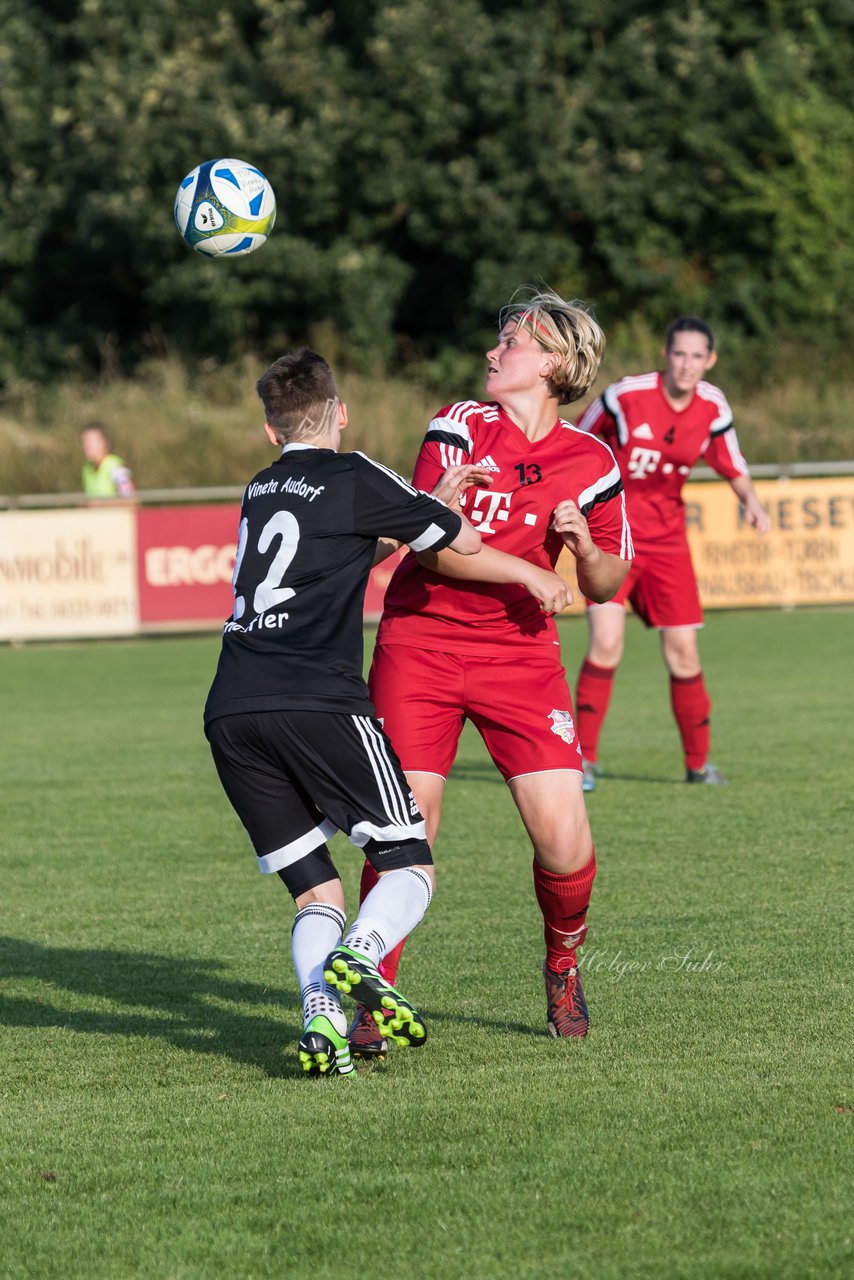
(299, 395)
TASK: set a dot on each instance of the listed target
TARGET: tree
(428, 156)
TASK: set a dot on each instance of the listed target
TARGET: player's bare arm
(385, 547)
(600, 574)
(467, 542)
(492, 565)
(756, 514)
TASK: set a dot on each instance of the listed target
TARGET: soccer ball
(225, 208)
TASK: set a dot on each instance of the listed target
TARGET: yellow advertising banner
(65, 574)
(807, 557)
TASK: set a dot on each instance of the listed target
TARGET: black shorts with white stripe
(295, 777)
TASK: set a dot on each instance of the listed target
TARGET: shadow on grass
(182, 1001)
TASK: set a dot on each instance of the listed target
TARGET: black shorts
(294, 778)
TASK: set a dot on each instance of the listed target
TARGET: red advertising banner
(185, 558)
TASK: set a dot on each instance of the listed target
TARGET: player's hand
(451, 486)
(757, 516)
(572, 527)
(548, 589)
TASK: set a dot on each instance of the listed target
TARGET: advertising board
(68, 574)
(185, 559)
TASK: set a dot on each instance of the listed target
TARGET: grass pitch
(154, 1122)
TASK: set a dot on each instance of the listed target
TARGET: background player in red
(659, 425)
(485, 647)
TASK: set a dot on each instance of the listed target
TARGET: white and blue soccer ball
(225, 208)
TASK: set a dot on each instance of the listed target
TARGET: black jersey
(308, 531)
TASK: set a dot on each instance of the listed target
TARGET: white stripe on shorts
(365, 831)
(395, 803)
(291, 853)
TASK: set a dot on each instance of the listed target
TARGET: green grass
(152, 1118)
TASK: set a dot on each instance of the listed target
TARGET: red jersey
(515, 515)
(656, 446)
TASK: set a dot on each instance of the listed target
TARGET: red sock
(564, 901)
(691, 707)
(388, 965)
(592, 697)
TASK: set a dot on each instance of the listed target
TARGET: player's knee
(606, 651)
(567, 846)
(565, 859)
(681, 656)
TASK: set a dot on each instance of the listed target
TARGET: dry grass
(177, 428)
(799, 419)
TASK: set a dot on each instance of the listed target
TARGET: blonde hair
(567, 330)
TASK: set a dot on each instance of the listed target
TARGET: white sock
(317, 931)
(392, 909)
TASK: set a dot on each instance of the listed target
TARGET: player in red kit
(485, 647)
(659, 425)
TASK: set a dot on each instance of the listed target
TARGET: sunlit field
(154, 1120)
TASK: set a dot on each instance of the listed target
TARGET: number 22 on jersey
(269, 592)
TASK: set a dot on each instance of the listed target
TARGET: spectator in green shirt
(105, 474)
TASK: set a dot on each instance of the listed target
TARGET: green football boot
(322, 1051)
(355, 975)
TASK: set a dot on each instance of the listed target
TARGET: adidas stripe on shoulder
(723, 413)
(605, 487)
(453, 425)
(611, 399)
(386, 471)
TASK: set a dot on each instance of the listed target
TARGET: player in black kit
(291, 727)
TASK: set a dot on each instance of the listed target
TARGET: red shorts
(519, 704)
(662, 590)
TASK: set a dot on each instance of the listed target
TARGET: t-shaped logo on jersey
(486, 506)
(643, 461)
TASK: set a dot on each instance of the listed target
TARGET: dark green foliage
(428, 156)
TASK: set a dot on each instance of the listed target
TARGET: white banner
(65, 574)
